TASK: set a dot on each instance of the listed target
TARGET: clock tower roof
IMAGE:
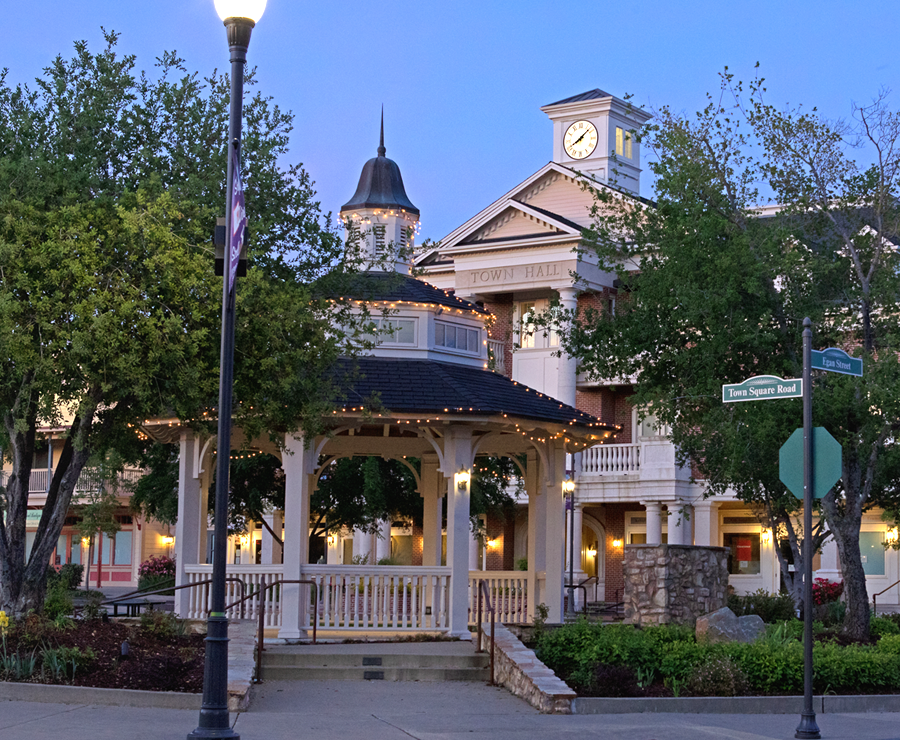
(595, 94)
(380, 185)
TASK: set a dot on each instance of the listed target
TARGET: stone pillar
(298, 472)
(654, 522)
(271, 550)
(568, 365)
(432, 537)
(457, 455)
(706, 523)
(383, 541)
(191, 526)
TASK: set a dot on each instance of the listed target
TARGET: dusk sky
(462, 82)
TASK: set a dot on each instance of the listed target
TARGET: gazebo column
(271, 549)
(536, 540)
(577, 572)
(383, 541)
(457, 456)
(431, 512)
(298, 466)
(554, 531)
(190, 529)
(654, 522)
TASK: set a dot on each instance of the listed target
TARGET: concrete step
(445, 661)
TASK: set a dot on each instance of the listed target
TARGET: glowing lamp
(568, 485)
(617, 543)
(766, 536)
(462, 479)
(250, 9)
(168, 539)
(891, 535)
(592, 552)
(491, 544)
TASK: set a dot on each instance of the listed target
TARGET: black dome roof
(380, 185)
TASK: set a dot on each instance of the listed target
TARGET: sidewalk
(376, 710)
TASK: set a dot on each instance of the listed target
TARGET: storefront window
(123, 548)
(871, 552)
(743, 558)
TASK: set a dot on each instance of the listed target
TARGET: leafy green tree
(716, 288)
(110, 182)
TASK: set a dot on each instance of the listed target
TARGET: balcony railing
(497, 355)
(611, 460)
(89, 480)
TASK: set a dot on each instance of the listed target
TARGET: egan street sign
(762, 388)
(835, 360)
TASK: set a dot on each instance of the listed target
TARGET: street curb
(88, 695)
(738, 705)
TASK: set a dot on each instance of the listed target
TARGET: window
(394, 331)
(871, 549)
(743, 558)
(531, 336)
(122, 555)
(460, 338)
(623, 142)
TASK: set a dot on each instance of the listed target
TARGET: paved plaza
(376, 710)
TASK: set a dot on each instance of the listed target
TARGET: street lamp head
(249, 9)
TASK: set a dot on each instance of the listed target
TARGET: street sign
(762, 388)
(835, 360)
(826, 462)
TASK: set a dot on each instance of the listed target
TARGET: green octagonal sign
(826, 462)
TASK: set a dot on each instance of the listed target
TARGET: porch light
(492, 544)
(245, 540)
(85, 541)
(592, 552)
(462, 479)
(766, 536)
(332, 540)
(617, 543)
(168, 539)
(891, 535)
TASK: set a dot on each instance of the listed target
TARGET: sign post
(807, 729)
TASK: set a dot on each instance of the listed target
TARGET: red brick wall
(496, 530)
(501, 329)
(614, 522)
(418, 544)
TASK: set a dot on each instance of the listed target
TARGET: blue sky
(462, 82)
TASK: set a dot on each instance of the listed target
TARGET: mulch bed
(155, 662)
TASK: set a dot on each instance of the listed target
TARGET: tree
(716, 289)
(110, 182)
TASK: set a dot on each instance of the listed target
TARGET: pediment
(520, 221)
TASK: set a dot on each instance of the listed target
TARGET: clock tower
(594, 133)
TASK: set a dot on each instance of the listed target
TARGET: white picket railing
(349, 597)
(509, 594)
(88, 480)
(611, 460)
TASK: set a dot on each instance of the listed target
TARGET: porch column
(271, 550)
(298, 481)
(706, 523)
(191, 523)
(537, 561)
(474, 551)
(828, 563)
(554, 530)
(431, 512)
(362, 546)
(333, 545)
(568, 365)
(458, 455)
(383, 541)
(654, 522)
(578, 517)
(678, 533)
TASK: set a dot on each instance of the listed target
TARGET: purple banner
(238, 220)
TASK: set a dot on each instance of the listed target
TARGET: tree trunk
(846, 536)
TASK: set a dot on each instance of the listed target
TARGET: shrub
(889, 644)
(57, 603)
(614, 680)
(162, 624)
(70, 575)
(522, 564)
(881, 626)
(770, 607)
(825, 591)
(63, 663)
(156, 572)
(717, 675)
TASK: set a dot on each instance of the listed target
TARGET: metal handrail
(167, 589)
(263, 587)
(875, 598)
(483, 589)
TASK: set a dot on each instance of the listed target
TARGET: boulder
(724, 626)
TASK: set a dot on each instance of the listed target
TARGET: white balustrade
(88, 480)
(497, 350)
(348, 597)
(611, 460)
(509, 594)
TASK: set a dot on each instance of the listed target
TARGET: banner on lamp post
(238, 220)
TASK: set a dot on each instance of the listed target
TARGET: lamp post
(569, 488)
(239, 16)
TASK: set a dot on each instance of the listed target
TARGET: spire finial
(381, 149)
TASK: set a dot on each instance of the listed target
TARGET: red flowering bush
(826, 592)
(157, 566)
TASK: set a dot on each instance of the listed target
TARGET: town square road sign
(836, 361)
(826, 462)
(762, 388)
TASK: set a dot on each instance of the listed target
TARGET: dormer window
(456, 337)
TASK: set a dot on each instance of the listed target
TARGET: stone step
(371, 673)
(293, 658)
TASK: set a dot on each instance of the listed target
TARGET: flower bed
(160, 655)
(624, 661)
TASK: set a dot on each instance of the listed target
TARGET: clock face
(580, 139)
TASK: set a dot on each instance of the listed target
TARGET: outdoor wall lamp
(85, 541)
(462, 479)
(492, 544)
(332, 540)
(168, 539)
(568, 486)
(617, 544)
(766, 536)
(891, 535)
(592, 552)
